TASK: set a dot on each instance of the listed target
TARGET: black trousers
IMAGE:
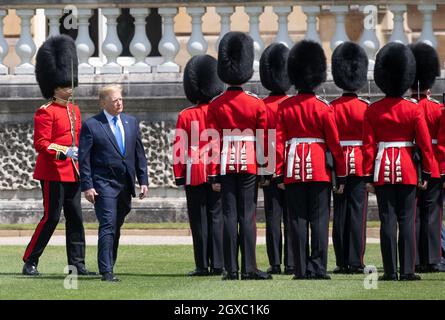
(206, 223)
(57, 196)
(239, 194)
(308, 207)
(275, 212)
(349, 227)
(397, 206)
(429, 223)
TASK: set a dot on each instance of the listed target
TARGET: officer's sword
(73, 116)
(417, 157)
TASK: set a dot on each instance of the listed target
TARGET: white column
(340, 35)
(140, 46)
(427, 35)
(53, 16)
(112, 47)
(4, 48)
(283, 31)
(398, 32)
(84, 44)
(311, 13)
(225, 13)
(368, 40)
(169, 45)
(254, 13)
(25, 47)
(196, 44)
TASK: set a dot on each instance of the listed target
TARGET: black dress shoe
(409, 277)
(230, 276)
(388, 277)
(433, 268)
(274, 270)
(199, 273)
(30, 269)
(256, 275)
(289, 270)
(321, 276)
(356, 270)
(216, 271)
(82, 271)
(299, 277)
(109, 276)
(340, 270)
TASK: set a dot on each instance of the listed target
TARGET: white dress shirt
(119, 124)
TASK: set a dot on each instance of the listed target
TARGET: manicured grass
(158, 272)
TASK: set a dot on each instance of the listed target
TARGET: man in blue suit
(111, 155)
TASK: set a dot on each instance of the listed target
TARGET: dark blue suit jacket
(101, 164)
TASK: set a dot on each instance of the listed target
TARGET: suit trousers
(275, 212)
(239, 194)
(349, 225)
(429, 223)
(57, 196)
(111, 213)
(397, 206)
(308, 206)
(206, 223)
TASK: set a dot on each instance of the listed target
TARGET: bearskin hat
(201, 82)
(235, 58)
(306, 65)
(349, 66)
(53, 64)
(273, 68)
(395, 69)
(427, 66)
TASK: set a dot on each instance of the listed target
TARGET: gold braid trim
(59, 149)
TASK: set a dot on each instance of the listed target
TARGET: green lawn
(158, 272)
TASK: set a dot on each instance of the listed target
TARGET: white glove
(72, 153)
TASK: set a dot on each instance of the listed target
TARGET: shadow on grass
(154, 275)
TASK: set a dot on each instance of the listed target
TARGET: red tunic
(52, 137)
(432, 110)
(305, 129)
(349, 112)
(391, 126)
(441, 143)
(189, 157)
(236, 115)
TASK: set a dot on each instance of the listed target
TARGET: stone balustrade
(111, 48)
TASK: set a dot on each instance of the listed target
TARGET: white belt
(351, 143)
(434, 141)
(293, 145)
(382, 147)
(226, 140)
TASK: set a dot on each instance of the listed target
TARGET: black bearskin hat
(306, 65)
(427, 66)
(53, 64)
(235, 58)
(273, 68)
(349, 66)
(201, 82)
(395, 69)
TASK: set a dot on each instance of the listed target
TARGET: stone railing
(50, 12)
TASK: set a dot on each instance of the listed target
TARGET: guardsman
(349, 70)
(56, 137)
(236, 115)
(201, 84)
(391, 125)
(306, 129)
(430, 201)
(273, 74)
